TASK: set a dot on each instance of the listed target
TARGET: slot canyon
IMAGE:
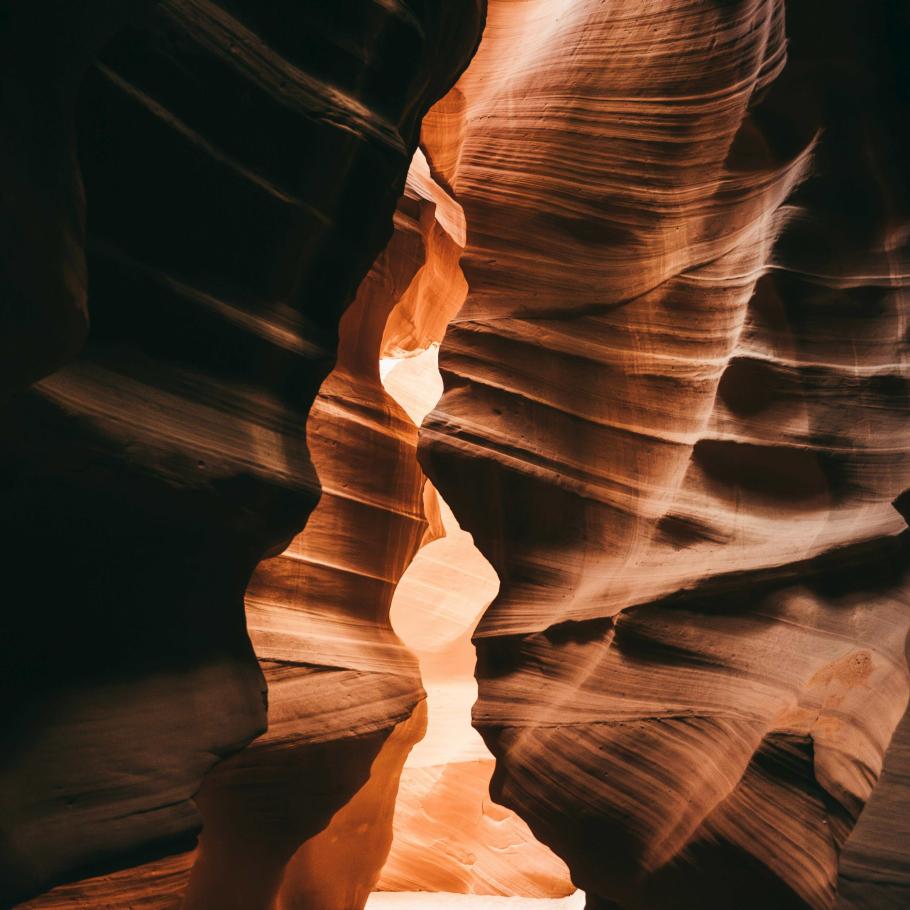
(456, 454)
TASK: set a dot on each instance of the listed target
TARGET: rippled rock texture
(663, 246)
(675, 422)
(193, 192)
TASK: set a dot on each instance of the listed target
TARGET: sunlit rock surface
(346, 695)
(675, 422)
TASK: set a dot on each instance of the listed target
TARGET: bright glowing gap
(451, 843)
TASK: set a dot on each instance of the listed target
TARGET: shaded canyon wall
(196, 190)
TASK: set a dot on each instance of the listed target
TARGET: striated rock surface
(303, 817)
(675, 424)
(664, 247)
(219, 177)
(874, 866)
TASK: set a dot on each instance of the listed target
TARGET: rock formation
(675, 424)
(238, 167)
(340, 681)
(661, 251)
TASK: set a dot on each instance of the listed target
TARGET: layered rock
(312, 800)
(674, 423)
(239, 168)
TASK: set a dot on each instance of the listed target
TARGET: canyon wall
(663, 246)
(193, 192)
(674, 421)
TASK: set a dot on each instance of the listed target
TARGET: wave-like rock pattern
(303, 817)
(206, 184)
(675, 424)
